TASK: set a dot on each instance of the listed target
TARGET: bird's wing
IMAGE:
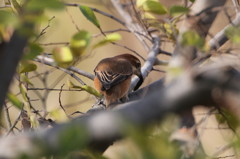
(113, 72)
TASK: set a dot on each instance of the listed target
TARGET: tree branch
(10, 55)
(220, 38)
(149, 63)
(130, 24)
(192, 88)
(50, 62)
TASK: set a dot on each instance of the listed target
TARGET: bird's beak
(139, 74)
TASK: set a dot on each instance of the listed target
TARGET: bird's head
(136, 66)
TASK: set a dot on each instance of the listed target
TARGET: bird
(113, 77)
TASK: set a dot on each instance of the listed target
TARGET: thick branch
(10, 55)
(149, 63)
(200, 20)
(192, 88)
(220, 38)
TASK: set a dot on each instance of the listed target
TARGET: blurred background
(63, 25)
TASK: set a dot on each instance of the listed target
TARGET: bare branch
(192, 88)
(53, 89)
(149, 63)
(44, 29)
(220, 38)
(130, 24)
(125, 30)
(50, 62)
(14, 124)
(98, 11)
(60, 102)
(236, 5)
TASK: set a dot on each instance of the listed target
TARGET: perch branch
(192, 88)
(149, 63)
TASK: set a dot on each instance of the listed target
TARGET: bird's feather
(111, 72)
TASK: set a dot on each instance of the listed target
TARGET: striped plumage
(113, 76)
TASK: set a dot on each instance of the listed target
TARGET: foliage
(108, 39)
(191, 38)
(233, 33)
(89, 14)
(178, 10)
(29, 16)
(79, 42)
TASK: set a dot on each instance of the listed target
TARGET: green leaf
(15, 101)
(23, 91)
(154, 7)
(24, 78)
(7, 18)
(89, 14)
(233, 33)
(39, 5)
(27, 66)
(108, 39)
(86, 88)
(16, 6)
(79, 42)
(63, 56)
(32, 51)
(178, 10)
(191, 38)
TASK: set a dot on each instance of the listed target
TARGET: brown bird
(113, 76)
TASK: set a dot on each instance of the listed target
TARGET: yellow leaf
(79, 42)
(63, 56)
(154, 7)
(108, 39)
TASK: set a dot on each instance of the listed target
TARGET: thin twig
(44, 29)
(42, 73)
(98, 11)
(60, 102)
(222, 150)
(45, 94)
(73, 22)
(14, 124)
(129, 49)
(54, 43)
(205, 117)
(53, 89)
(157, 70)
(124, 30)
(50, 62)
(31, 106)
(165, 52)
(9, 123)
(130, 22)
